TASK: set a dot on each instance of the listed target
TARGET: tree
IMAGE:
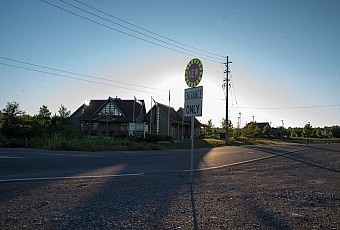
(62, 121)
(293, 132)
(44, 116)
(307, 130)
(319, 132)
(335, 130)
(223, 123)
(64, 113)
(266, 130)
(1, 119)
(209, 127)
(11, 118)
(251, 129)
(44, 113)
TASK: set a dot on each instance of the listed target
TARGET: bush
(155, 138)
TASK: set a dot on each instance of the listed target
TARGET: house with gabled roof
(165, 120)
(108, 117)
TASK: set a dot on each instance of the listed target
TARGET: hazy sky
(285, 55)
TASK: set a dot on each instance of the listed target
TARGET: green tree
(209, 127)
(307, 130)
(251, 129)
(318, 132)
(12, 119)
(64, 113)
(231, 132)
(293, 132)
(1, 119)
(223, 123)
(43, 119)
(335, 131)
(62, 120)
(44, 113)
(266, 130)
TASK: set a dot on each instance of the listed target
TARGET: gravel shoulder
(289, 192)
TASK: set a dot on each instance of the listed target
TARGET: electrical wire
(75, 78)
(233, 91)
(292, 107)
(149, 31)
(135, 31)
(79, 74)
(126, 33)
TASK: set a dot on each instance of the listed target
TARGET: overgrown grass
(77, 142)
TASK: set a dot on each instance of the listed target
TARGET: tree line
(17, 127)
(252, 129)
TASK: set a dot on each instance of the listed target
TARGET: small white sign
(193, 98)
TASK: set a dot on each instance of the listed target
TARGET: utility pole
(226, 86)
(240, 119)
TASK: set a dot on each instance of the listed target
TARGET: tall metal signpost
(193, 97)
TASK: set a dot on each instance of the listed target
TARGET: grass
(60, 141)
(186, 144)
(78, 142)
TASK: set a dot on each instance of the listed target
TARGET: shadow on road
(139, 202)
(297, 153)
(193, 207)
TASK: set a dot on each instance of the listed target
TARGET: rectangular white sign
(193, 98)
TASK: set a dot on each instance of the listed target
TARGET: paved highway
(31, 164)
(265, 187)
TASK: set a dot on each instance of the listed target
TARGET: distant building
(176, 126)
(274, 132)
(113, 116)
(108, 117)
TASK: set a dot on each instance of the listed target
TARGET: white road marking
(142, 173)
(71, 155)
(69, 177)
(12, 157)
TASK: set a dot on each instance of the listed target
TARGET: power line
(129, 34)
(291, 107)
(135, 31)
(233, 91)
(75, 78)
(74, 73)
(149, 31)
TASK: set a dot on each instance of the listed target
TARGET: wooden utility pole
(226, 85)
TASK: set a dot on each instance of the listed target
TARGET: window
(110, 109)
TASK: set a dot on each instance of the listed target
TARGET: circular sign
(193, 72)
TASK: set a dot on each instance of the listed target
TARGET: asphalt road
(31, 164)
(261, 187)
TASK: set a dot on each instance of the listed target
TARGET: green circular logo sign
(193, 72)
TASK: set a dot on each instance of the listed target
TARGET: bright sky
(285, 56)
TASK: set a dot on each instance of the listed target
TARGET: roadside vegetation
(47, 131)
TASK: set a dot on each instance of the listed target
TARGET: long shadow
(288, 155)
(317, 146)
(268, 219)
(133, 202)
(193, 207)
(141, 202)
